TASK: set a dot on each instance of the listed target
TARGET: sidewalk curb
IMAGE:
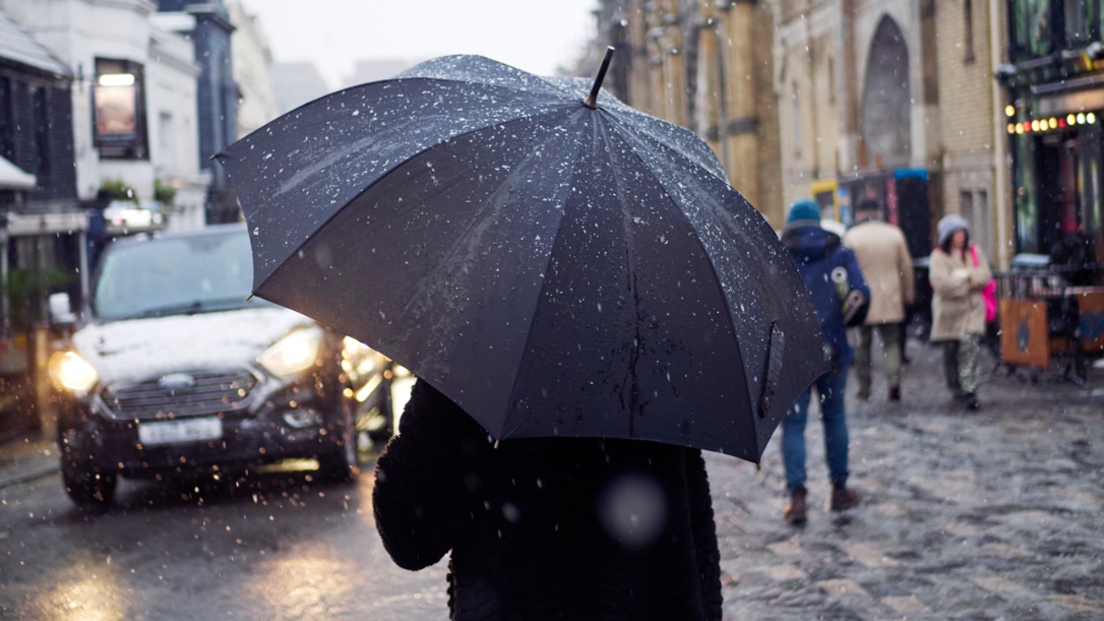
(29, 475)
(28, 459)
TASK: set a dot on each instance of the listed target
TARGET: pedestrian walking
(817, 253)
(565, 528)
(959, 272)
(883, 256)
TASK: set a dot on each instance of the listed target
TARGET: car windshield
(175, 275)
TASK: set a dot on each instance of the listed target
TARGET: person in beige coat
(959, 271)
(883, 257)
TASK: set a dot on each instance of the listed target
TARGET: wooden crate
(1024, 338)
(1091, 306)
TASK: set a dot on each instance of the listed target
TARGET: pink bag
(988, 292)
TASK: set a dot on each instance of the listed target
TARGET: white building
(365, 71)
(296, 84)
(134, 97)
(252, 59)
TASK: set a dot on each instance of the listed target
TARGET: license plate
(178, 431)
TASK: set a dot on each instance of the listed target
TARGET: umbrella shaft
(592, 99)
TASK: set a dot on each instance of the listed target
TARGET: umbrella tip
(592, 100)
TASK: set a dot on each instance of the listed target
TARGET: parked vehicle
(176, 373)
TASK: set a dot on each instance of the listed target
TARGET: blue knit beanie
(803, 213)
(949, 224)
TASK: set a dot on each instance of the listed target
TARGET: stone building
(706, 66)
(859, 109)
(252, 60)
(973, 132)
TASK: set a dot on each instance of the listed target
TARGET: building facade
(966, 98)
(708, 67)
(860, 115)
(134, 116)
(1054, 99)
(207, 26)
(296, 83)
(41, 227)
(252, 60)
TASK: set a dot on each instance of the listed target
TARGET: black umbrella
(555, 266)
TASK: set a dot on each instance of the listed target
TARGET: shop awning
(18, 46)
(13, 178)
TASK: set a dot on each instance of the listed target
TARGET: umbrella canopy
(554, 268)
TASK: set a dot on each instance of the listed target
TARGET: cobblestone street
(992, 515)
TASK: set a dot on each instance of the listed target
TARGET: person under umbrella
(587, 304)
(817, 253)
(959, 271)
(557, 528)
(882, 253)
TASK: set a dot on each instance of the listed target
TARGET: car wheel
(342, 463)
(84, 485)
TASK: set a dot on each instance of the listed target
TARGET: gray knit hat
(949, 224)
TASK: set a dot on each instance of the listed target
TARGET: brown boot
(843, 498)
(895, 392)
(797, 511)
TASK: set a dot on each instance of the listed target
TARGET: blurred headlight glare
(294, 353)
(76, 374)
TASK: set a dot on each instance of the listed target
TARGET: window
(1037, 28)
(166, 141)
(1030, 23)
(119, 111)
(968, 42)
(796, 108)
(1081, 17)
(7, 124)
(41, 134)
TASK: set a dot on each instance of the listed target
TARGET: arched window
(886, 112)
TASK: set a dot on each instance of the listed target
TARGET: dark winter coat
(816, 252)
(553, 528)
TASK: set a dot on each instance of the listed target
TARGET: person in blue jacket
(816, 252)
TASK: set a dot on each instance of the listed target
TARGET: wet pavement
(991, 515)
(279, 547)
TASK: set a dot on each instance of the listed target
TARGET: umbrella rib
(627, 137)
(631, 258)
(548, 264)
(637, 114)
(309, 238)
(448, 255)
(627, 129)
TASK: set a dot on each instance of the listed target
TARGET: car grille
(210, 393)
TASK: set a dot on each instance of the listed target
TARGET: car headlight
(73, 372)
(294, 353)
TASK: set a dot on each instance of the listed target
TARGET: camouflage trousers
(962, 364)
